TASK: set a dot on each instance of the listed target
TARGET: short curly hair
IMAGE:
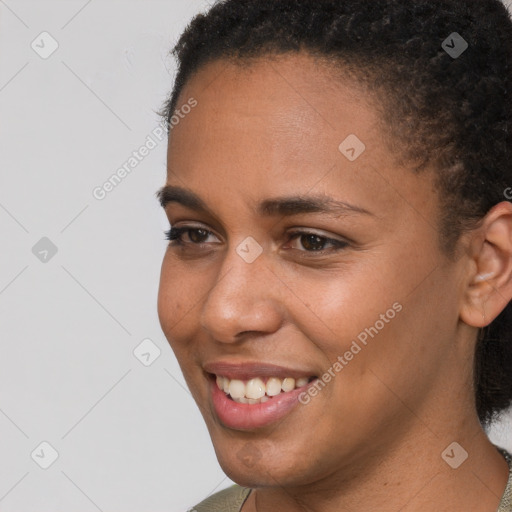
(450, 112)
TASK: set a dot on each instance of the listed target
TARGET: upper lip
(250, 370)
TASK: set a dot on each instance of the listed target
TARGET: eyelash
(174, 236)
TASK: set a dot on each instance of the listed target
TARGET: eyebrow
(280, 206)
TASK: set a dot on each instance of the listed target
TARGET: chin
(256, 463)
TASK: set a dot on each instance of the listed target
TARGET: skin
(373, 437)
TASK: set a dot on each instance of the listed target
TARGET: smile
(259, 390)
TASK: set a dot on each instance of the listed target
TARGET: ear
(489, 277)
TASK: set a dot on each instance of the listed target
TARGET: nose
(244, 298)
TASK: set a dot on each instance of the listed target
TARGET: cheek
(392, 314)
(336, 307)
(177, 296)
(180, 297)
(169, 305)
(173, 304)
(403, 356)
(175, 316)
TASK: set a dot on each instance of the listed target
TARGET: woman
(337, 283)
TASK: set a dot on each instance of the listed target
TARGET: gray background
(128, 436)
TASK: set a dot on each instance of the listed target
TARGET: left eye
(313, 242)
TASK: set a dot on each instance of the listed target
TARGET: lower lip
(248, 417)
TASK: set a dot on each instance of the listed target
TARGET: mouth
(258, 390)
(248, 396)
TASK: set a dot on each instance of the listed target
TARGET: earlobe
(489, 288)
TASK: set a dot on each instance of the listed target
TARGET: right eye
(196, 235)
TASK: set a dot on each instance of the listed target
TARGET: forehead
(278, 123)
(291, 96)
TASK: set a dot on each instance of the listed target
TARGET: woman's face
(312, 256)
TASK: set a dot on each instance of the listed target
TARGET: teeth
(255, 391)
(273, 386)
(237, 389)
(288, 384)
(301, 382)
(255, 388)
(251, 401)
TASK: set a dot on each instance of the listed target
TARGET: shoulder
(227, 500)
(506, 500)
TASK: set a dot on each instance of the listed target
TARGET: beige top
(232, 498)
